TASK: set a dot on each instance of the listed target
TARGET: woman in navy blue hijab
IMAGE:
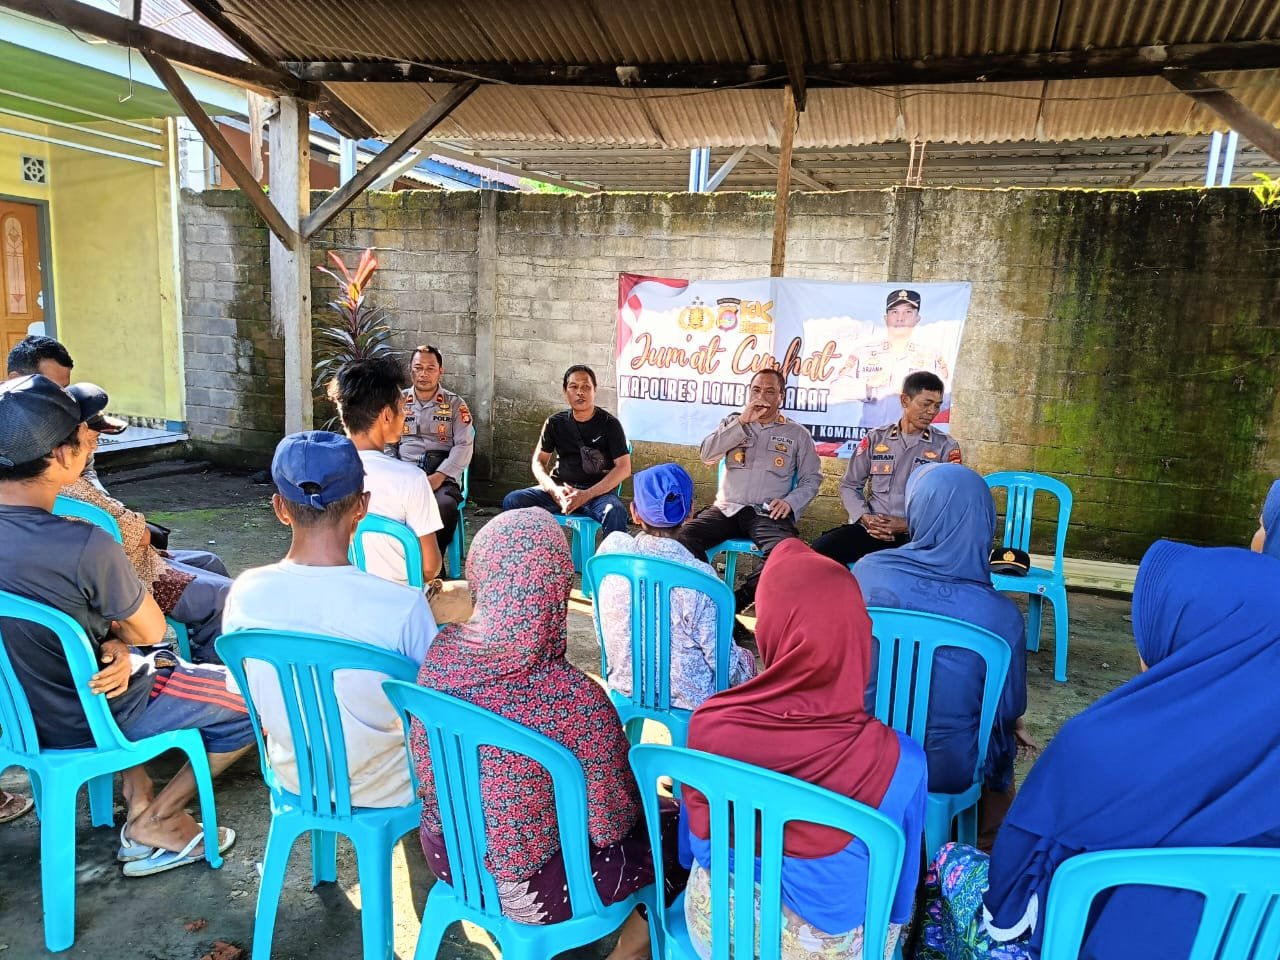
(944, 569)
(1185, 754)
(1267, 539)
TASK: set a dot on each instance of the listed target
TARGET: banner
(686, 351)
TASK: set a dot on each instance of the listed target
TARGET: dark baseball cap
(902, 296)
(36, 415)
(663, 495)
(316, 468)
(87, 394)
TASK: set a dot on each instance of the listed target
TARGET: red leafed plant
(362, 331)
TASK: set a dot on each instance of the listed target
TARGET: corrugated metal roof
(739, 33)
(1038, 164)
(954, 113)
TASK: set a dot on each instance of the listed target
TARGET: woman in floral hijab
(509, 658)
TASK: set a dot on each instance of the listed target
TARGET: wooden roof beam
(338, 201)
(1166, 153)
(790, 26)
(329, 106)
(84, 18)
(991, 68)
(225, 153)
(1239, 117)
(763, 155)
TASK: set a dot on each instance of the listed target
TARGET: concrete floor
(148, 918)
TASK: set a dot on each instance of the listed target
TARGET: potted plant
(361, 329)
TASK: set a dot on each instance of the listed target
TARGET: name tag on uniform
(883, 467)
(783, 441)
(882, 457)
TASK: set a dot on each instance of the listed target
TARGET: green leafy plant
(362, 330)
(1267, 190)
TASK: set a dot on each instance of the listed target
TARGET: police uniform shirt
(440, 423)
(878, 369)
(760, 461)
(886, 456)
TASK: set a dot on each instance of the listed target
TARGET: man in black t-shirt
(79, 569)
(591, 455)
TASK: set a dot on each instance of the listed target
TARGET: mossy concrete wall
(1124, 342)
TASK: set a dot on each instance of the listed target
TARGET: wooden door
(20, 273)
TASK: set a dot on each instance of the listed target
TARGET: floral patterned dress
(952, 928)
(510, 658)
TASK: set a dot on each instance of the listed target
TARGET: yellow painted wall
(113, 228)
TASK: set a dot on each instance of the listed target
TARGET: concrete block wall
(1121, 341)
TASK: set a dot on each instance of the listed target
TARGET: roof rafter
(1211, 96)
(329, 106)
(991, 68)
(108, 26)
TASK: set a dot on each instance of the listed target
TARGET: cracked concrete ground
(147, 918)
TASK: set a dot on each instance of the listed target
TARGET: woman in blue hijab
(944, 570)
(1264, 542)
(1185, 754)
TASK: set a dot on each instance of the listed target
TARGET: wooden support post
(779, 258)
(229, 159)
(1248, 124)
(291, 267)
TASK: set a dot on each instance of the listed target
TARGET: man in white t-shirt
(369, 396)
(315, 590)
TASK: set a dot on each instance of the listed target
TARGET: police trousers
(711, 527)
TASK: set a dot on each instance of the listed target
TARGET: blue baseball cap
(663, 495)
(317, 468)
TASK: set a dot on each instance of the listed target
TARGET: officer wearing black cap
(879, 364)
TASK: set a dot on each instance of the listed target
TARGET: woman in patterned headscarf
(509, 658)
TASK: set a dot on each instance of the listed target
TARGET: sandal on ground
(14, 805)
(131, 850)
(162, 860)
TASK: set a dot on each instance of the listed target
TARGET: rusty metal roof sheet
(746, 32)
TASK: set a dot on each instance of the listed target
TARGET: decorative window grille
(35, 170)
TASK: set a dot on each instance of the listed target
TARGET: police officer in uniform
(879, 364)
(886, 456)
(763, 451)
(439, 436)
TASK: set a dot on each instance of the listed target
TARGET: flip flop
(162, 860)
(14, 806)
(130, 851)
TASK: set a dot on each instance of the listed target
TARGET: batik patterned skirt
(800, 939)
(619, 870)
(952, 923)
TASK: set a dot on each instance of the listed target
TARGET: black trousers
(711, 528)
(851, 542)
(448, 499)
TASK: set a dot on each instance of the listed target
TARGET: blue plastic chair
(58, 775)
(374, 525)
(456, 732)
(735, 546)
(651, 580)
(584, 533)
(64, 506)
(304, 665)
(453, 554)
(1039, 584)
(749, 808)
(907, 641)
(71, 507)
(1239, 920)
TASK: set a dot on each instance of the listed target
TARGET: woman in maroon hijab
(803, 716)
